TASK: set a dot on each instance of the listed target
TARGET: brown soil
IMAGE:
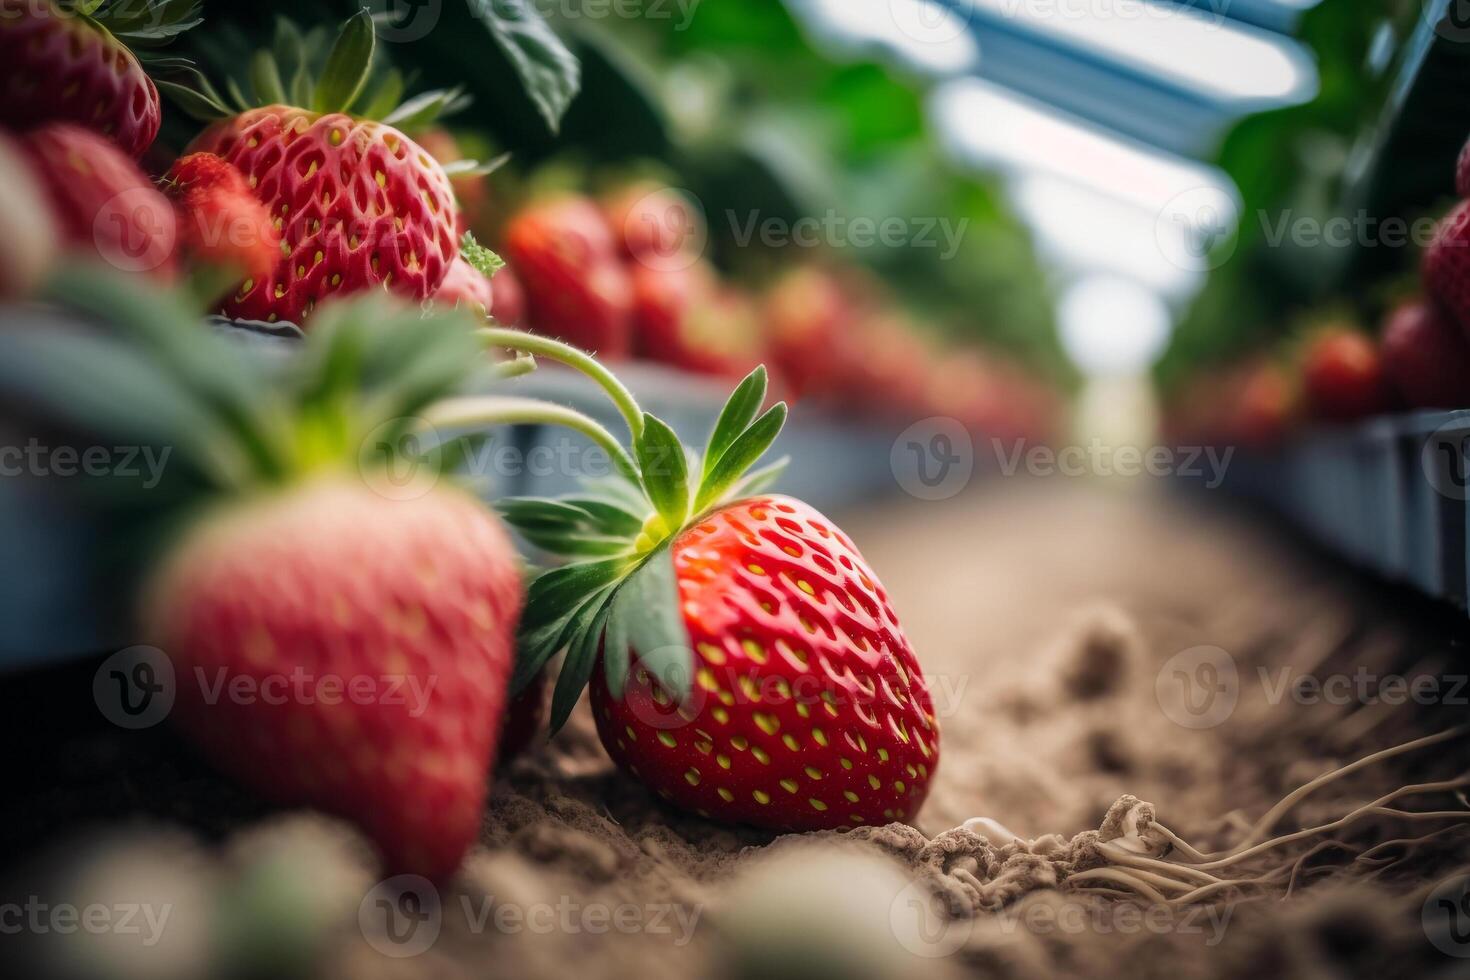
(1043, 616)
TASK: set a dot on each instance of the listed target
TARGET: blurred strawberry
(576, 287)
(1462, 172)
(104, 205)
(1426, 358)
(885, 365)
(1260, 405)
(1447, 265)
(510, 298)
(71, 62)
(525, 718)
(468, 287)
(222, 226)
(1342, 375)
(656, 225)
(806, 315)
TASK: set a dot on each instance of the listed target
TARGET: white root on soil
(1153, 862)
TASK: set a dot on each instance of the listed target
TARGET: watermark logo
(1196, 229)
(933, 459)
(669, 223)
(1444, 459)
(135, 230)
(1446, 917)
(1449, 18)
(922, 924)
(401, 917)
(1198, 688)
(404, 21)
(401, 459)
(834, 230)
(931, 23)
(135, 688)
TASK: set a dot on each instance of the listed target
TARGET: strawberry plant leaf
(581, 658)
(736, 417)
(655, 626)
(615, 648)
(265, 78)
(561, 589)
(195, 104)
(386, 97)
(665, 470)
(346, 70)
(742, 455)
(548, 70)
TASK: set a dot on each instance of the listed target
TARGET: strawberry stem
(555, 350)
(457, 413)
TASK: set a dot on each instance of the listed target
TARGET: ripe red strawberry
(1342, 375)
(656, 225)
(221, 223)
(1426, 358)
(62, 65)
(746, 663)
(810, 710)
(410, 602)
(1447, 265)
(1260, 403)
(576, 287)
(525, 717)
(357, 203)
(104, 205)
(340, 618)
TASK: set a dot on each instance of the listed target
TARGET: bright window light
(928, 35)
(994, 128)
(1112, 326)
(1197, 50)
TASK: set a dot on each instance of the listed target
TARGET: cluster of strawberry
(749, 663)
(1339, 373)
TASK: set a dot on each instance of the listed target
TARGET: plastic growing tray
(1390, 495)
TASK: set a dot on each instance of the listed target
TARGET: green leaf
(615, 653)
(290, 51)
(194, 103)
(741, 456)
(665, 470)
(649, 602)
(427, 107)
(347, 66)
(386, 96)
(561, 589)
(581, 658)
(736, 417)
(477, 255)
(265, 78)
(548, 71)
(475, 168)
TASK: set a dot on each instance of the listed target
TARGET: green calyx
(614, 591)
(306, 71)
(351, 399)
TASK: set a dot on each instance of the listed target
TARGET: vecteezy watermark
(1195, 230)
(1358, 230)
(1445, 916)
(66, 462)
(405, 915)
(837, 231)
(1198, 688)
(923, 925)
(38, 917)
(933, 459)
(1201, 687)
(137, 687)
(1445, 459)
(1102, 459)
(1449, 18)
(135, 230)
